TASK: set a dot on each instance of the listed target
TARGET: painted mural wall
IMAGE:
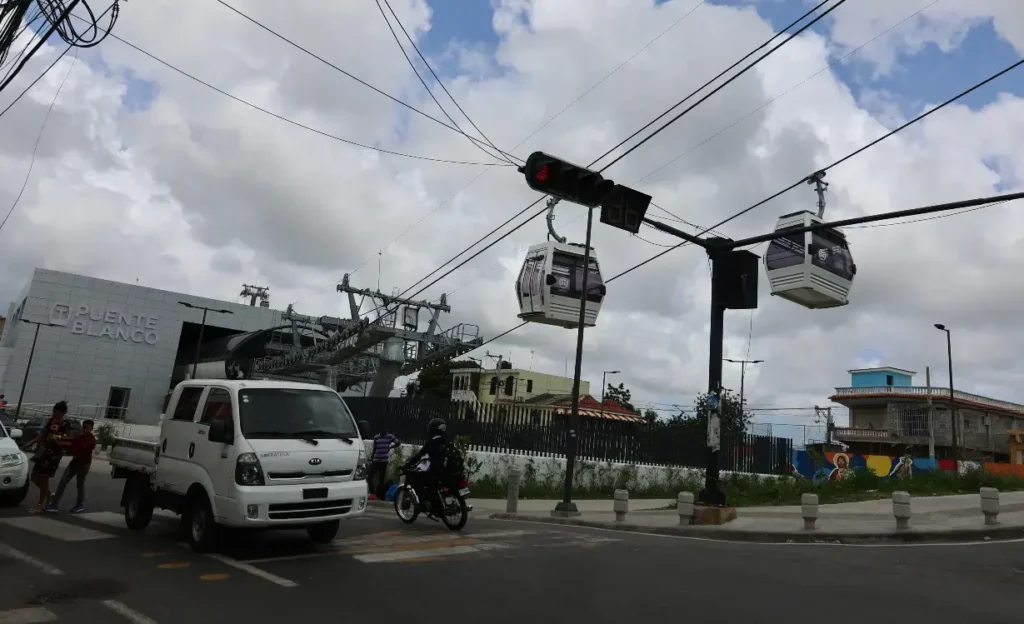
(832, 466)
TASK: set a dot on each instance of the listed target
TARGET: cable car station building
(889, 416)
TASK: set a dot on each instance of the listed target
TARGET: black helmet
(436, 427)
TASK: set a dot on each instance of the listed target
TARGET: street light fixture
(28, 365)
(202, 326)
(743, 374)
(604, 384)
(952, 400)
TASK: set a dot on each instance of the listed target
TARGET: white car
(13, 468)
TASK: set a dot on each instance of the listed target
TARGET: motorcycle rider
(436, 452)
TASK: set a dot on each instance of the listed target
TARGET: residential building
(889, 415)
(509, 385)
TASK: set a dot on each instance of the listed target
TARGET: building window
(888, 380)
(510, 384)
(494, 385)
(529, 386)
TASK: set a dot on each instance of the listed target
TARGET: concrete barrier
(684, 507)
(990, 505)
(901, 509)
(809, 510)
(621, 505)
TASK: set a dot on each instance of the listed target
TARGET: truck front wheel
(324, 532)
(138, 504)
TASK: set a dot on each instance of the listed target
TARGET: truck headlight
(360, 474)
(248, 470)
(13, 459)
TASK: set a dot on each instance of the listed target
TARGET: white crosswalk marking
(412, 555)
(64, 531)
(116, 520)
(32, 615)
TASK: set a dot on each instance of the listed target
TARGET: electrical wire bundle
(17, 16)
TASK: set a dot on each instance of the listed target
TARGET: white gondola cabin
(813, 269)
(550, 283)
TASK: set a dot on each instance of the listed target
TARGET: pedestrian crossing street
(419, 543)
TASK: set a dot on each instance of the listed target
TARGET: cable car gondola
(550, 284)
(813, 269)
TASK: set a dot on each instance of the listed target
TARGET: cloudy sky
(142, 173)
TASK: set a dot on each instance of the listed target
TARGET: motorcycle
(411, 500)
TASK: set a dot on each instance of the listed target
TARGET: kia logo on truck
(315, 461)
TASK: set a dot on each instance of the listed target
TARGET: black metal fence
(529, 430)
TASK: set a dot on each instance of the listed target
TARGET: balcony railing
(853, 433)
(923, 392)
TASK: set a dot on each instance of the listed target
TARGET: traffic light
(564, 180)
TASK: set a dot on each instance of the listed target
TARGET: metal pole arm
(884, 216)
(668, 229)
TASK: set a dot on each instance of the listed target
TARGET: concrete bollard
(809, 510)
(515, 477)
(901, 509)
(621, 505)
(684, 507)
(990, 505)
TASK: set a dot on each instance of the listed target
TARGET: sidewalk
(934, 519)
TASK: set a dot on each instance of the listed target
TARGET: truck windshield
(291, 413)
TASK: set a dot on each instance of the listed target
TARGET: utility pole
(931, 426)
(202, 326)
(28, 365)
(604, 384)
(743, 374)
(952, 400)
(261, 293)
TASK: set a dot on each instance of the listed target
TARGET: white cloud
(199, 193)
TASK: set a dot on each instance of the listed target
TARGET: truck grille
(309, 509)
(299, 474)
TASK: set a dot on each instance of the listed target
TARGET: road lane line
(32, 615)
(441, 542)
(127, 612)
(64, 531)
(412, 555)
(13, 553)
(245, 567)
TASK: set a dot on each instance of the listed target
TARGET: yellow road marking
(215, 577)
(154, 554)
(177, 565)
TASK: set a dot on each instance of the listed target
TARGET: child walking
(80, 449)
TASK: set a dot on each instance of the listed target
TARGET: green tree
(435, 382)
(621, 395)
(651, 416)
(733, 418)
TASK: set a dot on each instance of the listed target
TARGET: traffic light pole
(712, 493)
(567, 508)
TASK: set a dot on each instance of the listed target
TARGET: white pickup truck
(247, 454)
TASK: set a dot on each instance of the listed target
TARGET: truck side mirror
(222, 431)
(364, 429)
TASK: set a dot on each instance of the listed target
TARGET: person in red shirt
(80, 449)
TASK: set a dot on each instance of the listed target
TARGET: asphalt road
(62, 568)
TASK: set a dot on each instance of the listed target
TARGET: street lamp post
(743, 373)
(28, 365)
(952, 400)
(604, 384)
(202, 326)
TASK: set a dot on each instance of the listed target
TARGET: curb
(911, 536)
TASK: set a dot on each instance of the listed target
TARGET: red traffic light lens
(542, 173)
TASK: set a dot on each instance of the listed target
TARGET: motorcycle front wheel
(456, 512)
(405, 505)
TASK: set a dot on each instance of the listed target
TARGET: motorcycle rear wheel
(405, 504)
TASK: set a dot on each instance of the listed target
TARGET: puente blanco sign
(101, 322)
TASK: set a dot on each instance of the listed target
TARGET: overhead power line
(412, 65)
(338, 69)
(297, 124)
(852, 154)
(57, 13)
(627, 152)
